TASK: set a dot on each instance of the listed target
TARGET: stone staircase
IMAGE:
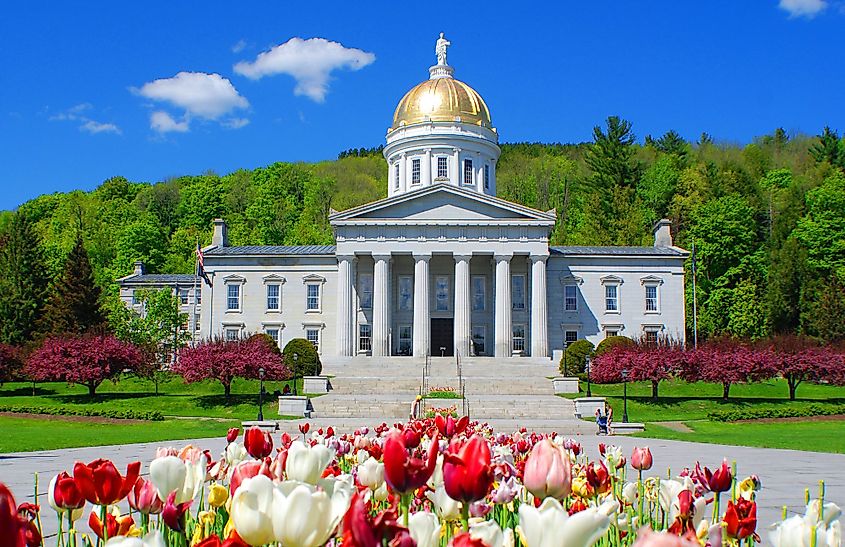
(506, 393)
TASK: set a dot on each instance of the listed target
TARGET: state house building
(441, 266)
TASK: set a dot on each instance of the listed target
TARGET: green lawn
(689, 404)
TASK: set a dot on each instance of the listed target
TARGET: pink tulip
(232, 435)
(548, 471)
(641, 459)
(647, 538)
(144, 498)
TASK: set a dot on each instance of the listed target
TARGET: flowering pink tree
(799, 358)
(9, 362)
(726, 361)
(223, 360)
(644, 363)
(86, 360)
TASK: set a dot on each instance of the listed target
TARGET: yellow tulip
(217, 495)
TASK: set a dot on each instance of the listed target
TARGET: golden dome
(442, 100)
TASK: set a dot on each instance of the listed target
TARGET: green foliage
(575, 357)
(307, 361)
(762, 412)
(613, 342)
(152, 416)
(822, 229)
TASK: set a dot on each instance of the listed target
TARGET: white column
(403, 173)
(504, 329)
(345, 334)
(463, 306)
(479, 173)
(422, 322)
(381, 299)
(456, 166)
(492, 190)
(539, 316)
(427, 179)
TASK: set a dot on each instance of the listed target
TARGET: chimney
(662, 231)
(221, 233)
(139, 268)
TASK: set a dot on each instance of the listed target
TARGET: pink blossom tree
(798, 359)
(85, 359)
(653, 363)
(726, 361)
(223, 360)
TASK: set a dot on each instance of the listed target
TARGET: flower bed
(152, 416)
(427, 483)
(443, 393)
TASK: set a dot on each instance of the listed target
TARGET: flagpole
(694, 302)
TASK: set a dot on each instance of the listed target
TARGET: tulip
(741, 519)
(63, 496)
(551, 525)
(491, 534)
(232, 435)
(101, 483)
(598, 477)
(152, 539)
(719, 480)
(12, 526)
(252, 510)
(217, 495)
(115, 525)
(371, 473)
(548, 471)
(258, 443)
(173, 513)
(449, 427)
(641, 459)
(306, 464)
(507, 490)
(304, 515)
(647, 538)
(424, 529)
(797, 530)
(405, 473)
(467, 474)
(234, 454)
(683, 523)
(466, 540)
(445, 507)
(246, 470)
(144, 498)
(171, 474)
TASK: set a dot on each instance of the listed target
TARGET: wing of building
(441, 266)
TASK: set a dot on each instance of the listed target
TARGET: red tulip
(304, 428)
(405, 473)
(741, 518)
(721, 479)
(467, 474)
(598, 477)
(412, 438)
(683, 523)
(144, 498)
(448, 427)
(641, 459)
(64, 494)
(234, 540)
(258, 443)
(246, 470)
(12, 526)
(101, 483)
(330, 432)
(232, 434)
(115, 526)
(548, 471)
(173, 513)
(362, 530)
(466, 540)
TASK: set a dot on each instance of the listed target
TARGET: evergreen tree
(826, 320)
(784, 287)
(23, 282)
(829, 148)
(611, 155)
(672, 143)
(74, 303)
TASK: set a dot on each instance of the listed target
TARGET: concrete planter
(619, 428)
(265, 425)
(567, 384)
(316, 384)
(293, 405)
(587, 406)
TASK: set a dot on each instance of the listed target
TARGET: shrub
(152, 416)
(812, 409)
(307, 362)
(574, 358)
(613, 342)
(10, 363)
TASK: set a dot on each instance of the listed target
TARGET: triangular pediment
(442, 202)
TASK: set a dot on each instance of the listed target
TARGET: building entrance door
(442, 337)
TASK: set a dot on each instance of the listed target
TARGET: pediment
(442, 203)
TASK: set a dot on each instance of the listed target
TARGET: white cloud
(803, 8)
(235, 123)
(208, 96)
(76, 113)
(164, 123)
(239, 46)
(310, 62)
(94, 127)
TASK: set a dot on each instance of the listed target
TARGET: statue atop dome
(440, 49)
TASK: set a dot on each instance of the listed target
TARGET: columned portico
(539, 315)
(463, 306)
(422, 334)
(504, 329)
(381, 306)
(345, 336)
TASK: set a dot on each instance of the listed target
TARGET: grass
(689, 403)
(443, 395)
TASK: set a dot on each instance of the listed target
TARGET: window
(365, 290)
(415, 171)
(197, 322)
(518, 292)
(467, 172)
(518, 338)
(273, 300)
(571, 336)
(135, 299)
(313, 336)
(441, 293)
(405, 301)
(611, 299)
(232, 334)
(273, 333)
(651, 337)
(479, 293)
(651, 298)
(183, 297)
(405, 333)
(233, 297)
(479, 336)
(365, 338)
(570, 296)
(609, 333)
(486, 177)
(312, 300)
(396, 175)
(442, 167)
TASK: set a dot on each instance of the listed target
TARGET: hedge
(812, 409)
(152, 416)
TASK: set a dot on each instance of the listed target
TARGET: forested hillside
(767, 219)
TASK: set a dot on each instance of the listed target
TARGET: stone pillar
(492, 190)
(345, 334)
(403, 173)
(539, 315)
(381, 300)
(422, 321)
(427, 179)
(463, 306)
(456, 166)
(504, 328)
(479, 173)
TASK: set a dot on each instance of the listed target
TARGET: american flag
(201, 266)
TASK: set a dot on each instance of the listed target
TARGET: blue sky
(150, 90)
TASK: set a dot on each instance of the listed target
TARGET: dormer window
(415, 171)
(467, 172)
(442, 167)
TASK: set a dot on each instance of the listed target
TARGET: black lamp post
(261, 395)
(565, 343)
(625, 395)
(295, 359)
(587, 363)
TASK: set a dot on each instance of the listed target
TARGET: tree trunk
(793, 387)
(654, 385)
(227, 390)
(92, 389)
(726, 391)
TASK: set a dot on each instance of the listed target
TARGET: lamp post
(565, 343)
(625, 395)
(295, 359)
(587, 363)
(261, 395)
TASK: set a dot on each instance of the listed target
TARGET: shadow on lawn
(26, 392)
(220, 401)
(104, 397)
(668, 402)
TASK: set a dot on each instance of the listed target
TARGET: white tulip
(445, 507)
(381, 494)
(171, 474)
(152, 539)
(371, 474)
(551, 525)
(305, 463)
(796, 531)
(252, 510)
(305, 516)
(630, 492)
(490, 533)
(234, 454)
(436, 477)
(425, 529)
